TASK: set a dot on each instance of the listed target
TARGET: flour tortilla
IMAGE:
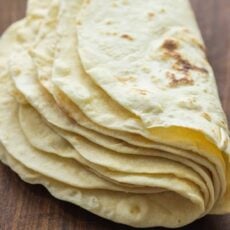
(107, 163)
(15, 142)
(171, 142)
(70, 78)
(37, 163)
(117, 206)
(24, 75)
(121, 177)
(59, 168)
(17, 59)
(42, 100)
(11, 108)
(33, 92)
(160, 61)
(44, 55)
(193, 106)
(9, 121)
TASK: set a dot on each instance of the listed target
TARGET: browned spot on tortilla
(170, 45)
(206, 116)
(184, 65)
(87, 1)
(127, 37)
(109, 22)
(142, 91)
(151, 15)
(79, 23)
(175, 82)
(126, 79)
(202, 47)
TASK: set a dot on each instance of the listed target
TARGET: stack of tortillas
(112, 106)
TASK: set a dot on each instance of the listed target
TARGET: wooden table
(27, 207)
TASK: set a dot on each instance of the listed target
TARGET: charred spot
(170, 45)
(200, 69)
(127, 37)
(184, 65)
(175, 82)
(151, 15)
(206, 116)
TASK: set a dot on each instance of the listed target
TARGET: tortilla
(44, 57)
(138, 157)
(46, 165)
(120, 207)
(154, 65)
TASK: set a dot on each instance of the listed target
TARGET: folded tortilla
(112, 106)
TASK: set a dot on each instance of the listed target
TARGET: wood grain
(27, 207)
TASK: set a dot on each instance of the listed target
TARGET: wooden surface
(26, 207)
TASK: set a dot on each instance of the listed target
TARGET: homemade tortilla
(112, 155)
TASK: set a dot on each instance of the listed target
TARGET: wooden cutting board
(27, 207)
